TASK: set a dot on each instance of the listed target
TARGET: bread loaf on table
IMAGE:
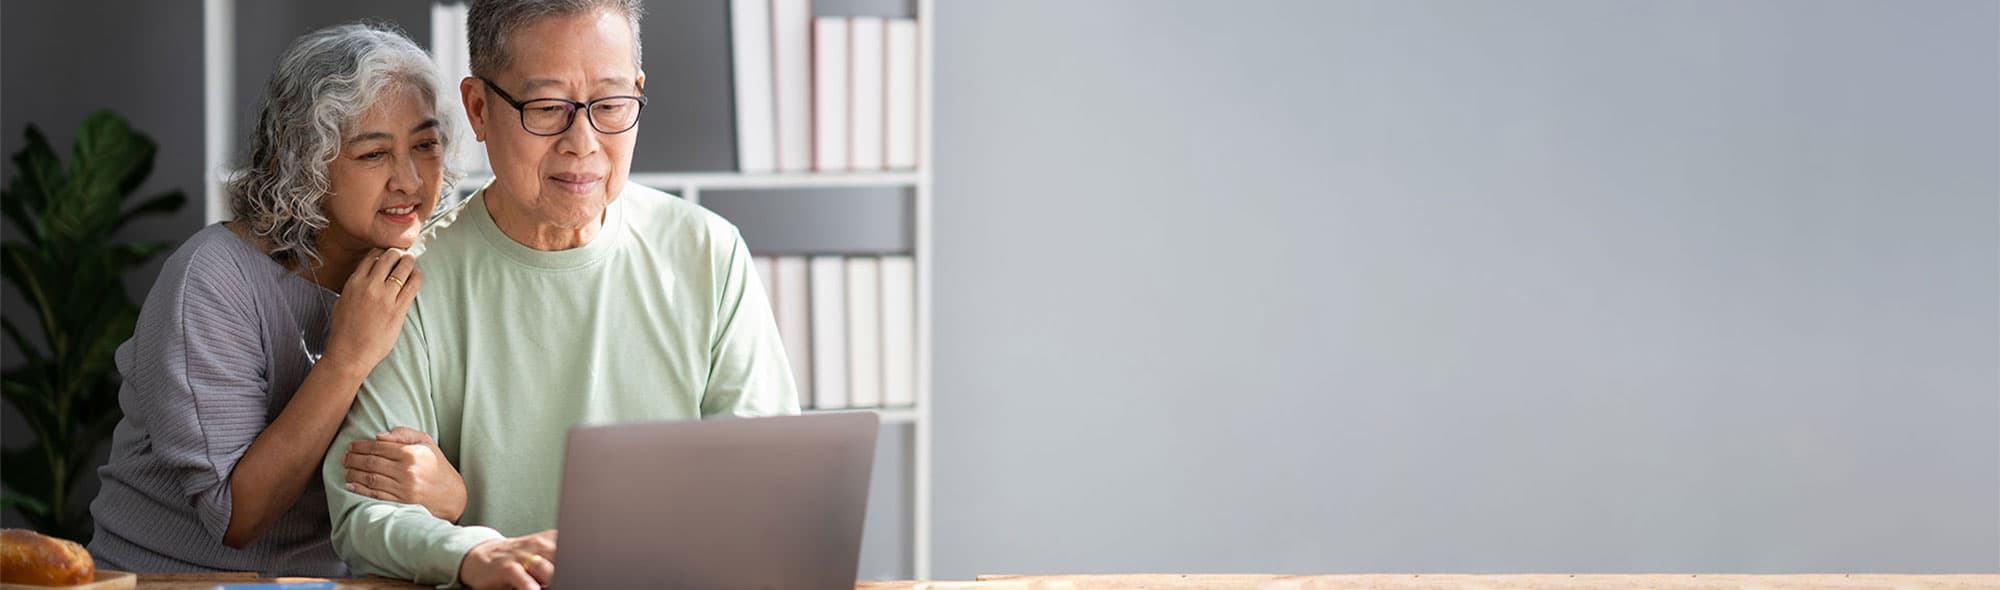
(28, 557)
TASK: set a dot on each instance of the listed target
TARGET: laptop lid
(716, 504)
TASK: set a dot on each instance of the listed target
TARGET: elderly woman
(252, 343)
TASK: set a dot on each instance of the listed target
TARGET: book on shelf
(750, 29)
(865, 79)
(864, 332)
(829, 331)
(690, 124)
(900, 94)
(899, 331)
(830, 94)
(792, 69)
(794, 313)
(767, 278)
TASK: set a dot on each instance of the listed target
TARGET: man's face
(567, 179)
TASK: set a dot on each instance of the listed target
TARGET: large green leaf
(166, 203)
(127, 153)
(28, 505)
(103, 345)
(110, 162)
(40, 172)
(14, 206)
(25, 269)
(28, 389)
(131, 254)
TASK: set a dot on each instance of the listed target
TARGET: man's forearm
(404, 541)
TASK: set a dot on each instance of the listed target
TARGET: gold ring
(531, 559)
(399, 282)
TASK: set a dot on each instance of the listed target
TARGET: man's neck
(540, 234)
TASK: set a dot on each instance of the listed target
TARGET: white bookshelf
(219, 58)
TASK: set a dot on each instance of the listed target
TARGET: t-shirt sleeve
(194, 379)
(748, 374)
(391, 538)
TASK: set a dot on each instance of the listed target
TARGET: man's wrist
(468, 539)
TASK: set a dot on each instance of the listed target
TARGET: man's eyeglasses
(553, 116)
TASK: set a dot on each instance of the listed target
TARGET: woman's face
(386, 176)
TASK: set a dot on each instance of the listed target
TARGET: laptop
(716, 504)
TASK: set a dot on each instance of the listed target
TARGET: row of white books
(830, 94)
(849, 326)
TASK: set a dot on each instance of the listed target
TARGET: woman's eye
(429, 146)
(375, 155)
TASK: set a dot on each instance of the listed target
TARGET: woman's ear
(473, 92)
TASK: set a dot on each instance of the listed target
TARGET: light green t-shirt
(660, 317)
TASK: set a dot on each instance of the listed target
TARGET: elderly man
(560, 294)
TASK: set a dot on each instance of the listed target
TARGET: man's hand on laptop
(520, 563)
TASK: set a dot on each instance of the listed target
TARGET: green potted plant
(63, 260)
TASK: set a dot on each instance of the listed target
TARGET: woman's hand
(520, 563)
(405, 465)
(372, 304)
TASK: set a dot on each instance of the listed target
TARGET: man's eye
(551, 110)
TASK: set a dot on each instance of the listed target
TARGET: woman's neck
(336, 261)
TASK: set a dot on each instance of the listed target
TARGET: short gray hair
(490, 23)
(324, 83)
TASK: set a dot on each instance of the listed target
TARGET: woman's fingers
(399, 273)
(368, 463)
(364, 269)
(383, 263)
(404, 435)
(378, 447)
(354, 485)
(410, 290)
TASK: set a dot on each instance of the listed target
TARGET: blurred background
(1346, 286)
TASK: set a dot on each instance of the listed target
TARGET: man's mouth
(576, 182)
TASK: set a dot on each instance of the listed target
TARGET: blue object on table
(283, 586)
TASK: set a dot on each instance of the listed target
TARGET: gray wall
(1467, 286)
(61, 61)
(1402, 286)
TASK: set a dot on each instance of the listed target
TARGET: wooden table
(1281, 582)
(1454, 581)
(207, 581)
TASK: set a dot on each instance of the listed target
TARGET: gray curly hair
(489, 23)
(325, 82)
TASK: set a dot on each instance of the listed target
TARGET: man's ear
(473, 92)
(642, 81)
